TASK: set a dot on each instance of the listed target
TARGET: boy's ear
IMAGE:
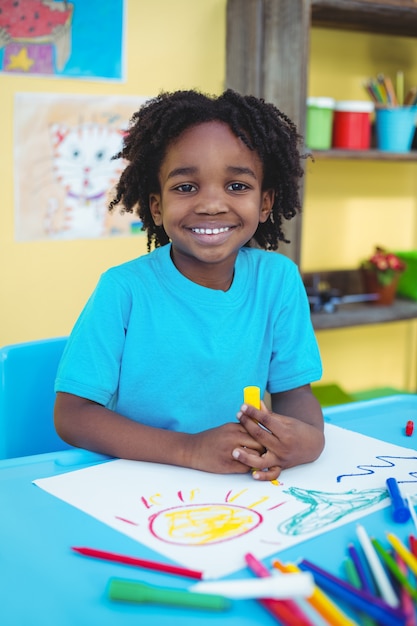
(155, 208)
(268, 198)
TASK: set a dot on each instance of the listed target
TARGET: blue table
(42, 583)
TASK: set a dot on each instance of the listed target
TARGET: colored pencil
(406, 600)
(319, 600)
(365, 581)
(383, 94)
(411, 96)
(380, 81)
(382, 581)
(380, 91)
(400, 88)
(353, 577)
(404, 553)
(361, 600)
(286, 611)
(390, 91)
(128, 560)
(413, 545)
(393, 568)
(374, 92)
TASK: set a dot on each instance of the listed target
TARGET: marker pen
(123, 590)
(400, 511)
(252, 396)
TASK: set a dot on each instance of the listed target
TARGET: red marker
(128, 560)
(413, 545)
(409, 428)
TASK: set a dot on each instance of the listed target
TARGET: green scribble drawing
(324, 508)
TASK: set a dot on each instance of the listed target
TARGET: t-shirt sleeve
(90, 365)
(295, 359)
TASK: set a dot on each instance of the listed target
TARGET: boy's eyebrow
(235, 169)
(232, 169)
(182, 171)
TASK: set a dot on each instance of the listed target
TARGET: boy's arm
(301, 404)
(292, 433)
(86, 424)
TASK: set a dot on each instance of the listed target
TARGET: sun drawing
(204, 524)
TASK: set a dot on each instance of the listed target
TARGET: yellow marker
(252, 396)
(407, 556)
(319, 600)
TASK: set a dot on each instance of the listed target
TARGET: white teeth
(210, 231)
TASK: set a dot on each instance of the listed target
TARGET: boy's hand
(211, 450)
(287, 442)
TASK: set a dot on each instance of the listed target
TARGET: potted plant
(381, 273)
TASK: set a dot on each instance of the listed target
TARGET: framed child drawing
(63, 39)
(64, 167)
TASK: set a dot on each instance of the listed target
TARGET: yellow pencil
(390, 91)
(400, 88)
(403, 552)
(318, 600)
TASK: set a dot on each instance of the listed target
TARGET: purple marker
(364, 601)
(366, 584)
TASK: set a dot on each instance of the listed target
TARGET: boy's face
(211, 199)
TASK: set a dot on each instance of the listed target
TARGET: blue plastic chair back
(27, 397)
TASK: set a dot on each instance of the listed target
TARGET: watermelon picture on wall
(55, 37)
(36, 35)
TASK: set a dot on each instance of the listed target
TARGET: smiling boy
(156, 364)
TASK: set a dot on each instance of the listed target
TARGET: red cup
(352, 125)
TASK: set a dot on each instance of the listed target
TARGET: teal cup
(395, 128)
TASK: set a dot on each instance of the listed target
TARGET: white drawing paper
(209, 521)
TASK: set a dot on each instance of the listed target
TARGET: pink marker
(287, 611)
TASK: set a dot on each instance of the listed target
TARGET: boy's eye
(186, 188)
(237, 186)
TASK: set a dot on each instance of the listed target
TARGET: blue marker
(400, 511)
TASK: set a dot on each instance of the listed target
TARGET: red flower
(384, 264)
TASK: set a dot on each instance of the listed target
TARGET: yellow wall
(349, 206)
(43, 285)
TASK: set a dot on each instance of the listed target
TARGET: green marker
(353, 577)
(123, 590)
(395, 570)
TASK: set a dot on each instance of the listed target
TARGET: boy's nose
(211, 204)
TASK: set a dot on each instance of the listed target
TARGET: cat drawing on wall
(83, 166)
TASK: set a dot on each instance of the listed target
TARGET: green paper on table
(123, 590)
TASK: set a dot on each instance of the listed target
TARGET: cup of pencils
(395, 115)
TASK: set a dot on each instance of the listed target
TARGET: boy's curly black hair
(260, 125)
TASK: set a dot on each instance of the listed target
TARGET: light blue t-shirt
(167, 352)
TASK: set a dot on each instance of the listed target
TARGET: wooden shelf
(365, 155)
(349, 282)
(365, 314)
(389, 17)
(268, 56)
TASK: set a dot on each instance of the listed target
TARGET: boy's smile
(211, 201)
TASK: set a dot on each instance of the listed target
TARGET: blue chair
(27, 374)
